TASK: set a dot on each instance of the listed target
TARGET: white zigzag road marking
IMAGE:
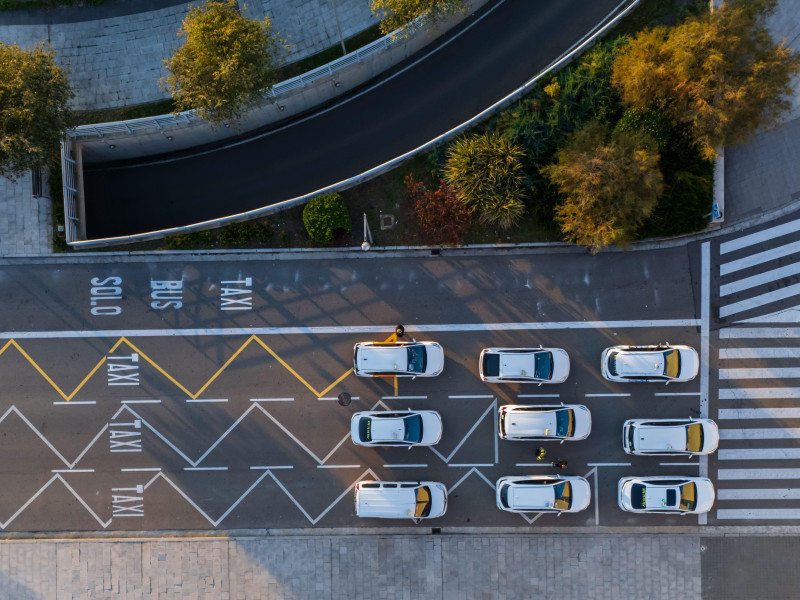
(42, 489)
(493, 405)
(185, 497)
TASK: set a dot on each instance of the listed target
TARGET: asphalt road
(208, 399)
(485, 63)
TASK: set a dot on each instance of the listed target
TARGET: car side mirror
(562, 441)
(540, 384)
(667, 383)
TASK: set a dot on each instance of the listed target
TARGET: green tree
(720, 72)
(225, 64)
(609, 185)
(397, 14)
(323, 214)
(34, 93)
(486, 174)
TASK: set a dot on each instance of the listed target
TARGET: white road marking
(705, 318)
(760, 513)
(761, 373)
(491, 408)
(347, 330)
(758, 474)
(757, 259)
(259, 468)
(607, 395)
(150, 401)
(72, 470)
(467, 474)
(760, 279)
(759, 494)
(608, 464)
(406, 397)
(738, 333)
(274, 399)
(142, 470)
(760, 236)
(61, 403)
(421, 465)
(333, 398)
(678, 394)
(734, 353)
(759, 413)
(207, 400)
(778, 433)
(785, 315)
(473, 397)
(681, 464)
(471, 465)
(185, 497)
(758, 453)
(756, 393)
(205, 468)
(760, 300)
(538, 395)
(338, 466)
(537, 464)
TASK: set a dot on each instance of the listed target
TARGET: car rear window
(672, 363)
(612, 363)
(565, 422)
(423, 508)
(544, 365)
(365, 429)
(637, 496)
(694, 437)
(688, 496)
(491, 365)
(563, 493)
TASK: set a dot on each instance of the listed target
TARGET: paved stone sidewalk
(392, 567)
(117, 61)
(25, 221)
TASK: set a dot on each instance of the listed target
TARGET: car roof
(538, 423)
(532, 496)
(640, 363)
(383, 358)
(672, 437)
(378, 502)
(517, 364)
(387, 429)
(655, 496)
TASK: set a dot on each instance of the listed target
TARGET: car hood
(435, 359)
(690, 363)
(581, 493)
(560, 365)
(431, 427)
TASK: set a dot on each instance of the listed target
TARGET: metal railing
(71, 219)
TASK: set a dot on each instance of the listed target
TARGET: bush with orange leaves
(440, 217)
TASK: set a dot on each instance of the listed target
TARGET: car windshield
(563, 493)
(413, 429)
(365, 429)
(504, 494)
(423, 508)
(638, 492)
(543, 368)
(612, 363)
(688, 496)
(672, 363)
(491, 364)
(565, 422)
(416, 359)
(694, 437)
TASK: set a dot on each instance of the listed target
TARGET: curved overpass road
(516, 40)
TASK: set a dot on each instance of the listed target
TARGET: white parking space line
(761, 373)
(680, 464)
(608, 464)
(538, 395)
(734, 353)
(757, 259)
(72, 470)
(760, 279)
(270, 467)
(758, 393)
(606, 395)
(678, 394)
(274, 399)
(338, 466)
(408, 397)
(324, 398)
(738, 333)
(760, 300)
(205, 468)
(471, 465)
(759, 413)
(778, 433)
(760, 513)
(142, 470)
(141, 401)
(477, 397)
(419, 466)
(536, 464)
(758, 453)
(207, 400)
(759, 494)
(760, 236)
(758, 474)
(75, 402)
(348, 329)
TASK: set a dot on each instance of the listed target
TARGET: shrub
(263, 232)
(189, 241)
(647, 122)
(439, 215)
(323, 215)
(236, 234)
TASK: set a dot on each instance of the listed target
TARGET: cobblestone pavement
(25, 220)
(118, 60)
(451, 567)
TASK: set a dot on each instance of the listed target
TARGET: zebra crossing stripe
(738, 333)
(756, 393)
(760, 279)
(776, 433)
(766, 373)
(758, 413)
(734, 353)
(760, 300)
(759, 494)
(757, 259)
(759, 513)
(760, 236)
(758, 453)
(758, 474)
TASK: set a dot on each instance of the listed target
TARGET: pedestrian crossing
(755, 398)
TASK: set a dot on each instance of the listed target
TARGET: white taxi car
(544, 422)
(542, 493)
(661, 363)
(671, 495)
(396, 428)
(664, 437)
(523, 365)
(397, 359)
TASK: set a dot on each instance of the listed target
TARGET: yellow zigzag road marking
(157, 367)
